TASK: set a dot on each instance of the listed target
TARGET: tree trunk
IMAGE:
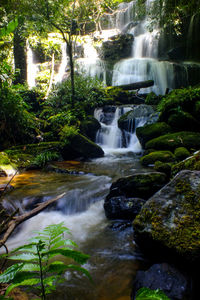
(136, 85)
(20, 56)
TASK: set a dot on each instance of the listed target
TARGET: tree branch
(20, 219)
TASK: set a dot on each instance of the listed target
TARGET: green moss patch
(181, 153)
(163, 156)
(189, 140)
(151, 131)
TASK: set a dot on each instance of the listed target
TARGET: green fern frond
(25, 257)
(148, 294)
(10, 273)
(77, 256)
(26, 282)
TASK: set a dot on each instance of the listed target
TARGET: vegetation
(37, 266)
(147, 294)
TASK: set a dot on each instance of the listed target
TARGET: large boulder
(187, 139)
(139, 185)
(191, 163)
(117, 47)
(127, 121)
(171, 217)
(122, 208)
(166, 278)
(151, 131)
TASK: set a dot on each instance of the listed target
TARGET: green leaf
(25, 282)
(31, 267)
(25, 257)
(80, 269)
(29, 247)
(77, 256)
(62, 243)
(148, 294)
(10, 273)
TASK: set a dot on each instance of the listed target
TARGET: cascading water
(111, 138)
(31, 67)
(63, 65)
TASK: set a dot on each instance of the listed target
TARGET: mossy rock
(89, 127)
(182, 120)
(171, 217)
(163, 168)
(181, 153)
(151, 131)
(191, 163)
(163, 156)
(78, 146)
(187, 139)
(141, 185)
(4, 159)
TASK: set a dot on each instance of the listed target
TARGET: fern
(36, 268)
(148, 294)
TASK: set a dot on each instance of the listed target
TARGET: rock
(181, 153)
(89, 127)
(80, 146)
(117, 47)
(182, 120)
(107, 114)
(122, 208)
(127, 121)
(191, 163)
(151, 131)
(151, 158)
(163, 168)
(171, 217)
(166, 278)
(187, 139)
(139, 185)
(2, 173)
(5, 188)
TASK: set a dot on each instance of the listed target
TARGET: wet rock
(117, 47)
(127, 121)
(166, 278)
(122, 208)
(139, 185)
(2, 173)
(191, 163)
(107, 114)
(171, 217)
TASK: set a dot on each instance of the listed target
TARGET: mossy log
(136, 85)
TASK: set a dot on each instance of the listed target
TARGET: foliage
(37, 265)
(67, 132)
(43, 158)
(147, 294)
(17, 124)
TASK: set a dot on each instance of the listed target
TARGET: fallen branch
(20, 219)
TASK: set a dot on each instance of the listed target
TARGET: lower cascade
(110, 137)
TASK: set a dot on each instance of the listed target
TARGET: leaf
(25, 282)
(77, 256)
(29, 247)
(10, 273)
(148, 294)
(56, 267)
(61, 243)
(25, 257)
(80, 269)
(31, 267)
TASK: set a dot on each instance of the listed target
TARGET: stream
(113, 258)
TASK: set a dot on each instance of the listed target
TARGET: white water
(32, 68)
(63, 64)
(110, 137)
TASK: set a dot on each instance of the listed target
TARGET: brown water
(113, 261)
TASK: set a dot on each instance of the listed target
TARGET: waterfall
(63, 65)
(111, 138)
(31, 67)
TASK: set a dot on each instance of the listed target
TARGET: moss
(163, 168)
(149, 132)
(89, 127)
(189, 140)
(181, 153)
(191, 163)
(182, 120)
(151, 158)
(4, 159)
(176, 226)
